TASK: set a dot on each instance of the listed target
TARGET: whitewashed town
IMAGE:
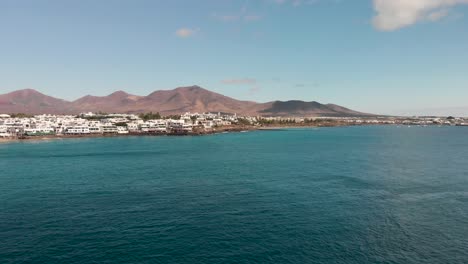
(94, 123)
(88, 124)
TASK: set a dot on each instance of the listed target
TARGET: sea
(376, 194)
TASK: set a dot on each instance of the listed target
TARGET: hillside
(31, 101)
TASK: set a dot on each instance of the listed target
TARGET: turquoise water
(328, 195)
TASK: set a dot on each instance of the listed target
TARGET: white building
(39, 131)
(109, 129)
(122, 130)
(4, 132)
(77, 130)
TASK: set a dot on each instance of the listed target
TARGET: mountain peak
(28, 90)
(301, 108)
(119, 93)
(24, 92)
(31, 101)
(190, 88)
(182, 89)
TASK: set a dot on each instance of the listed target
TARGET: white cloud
(395, 14)
(296, 3)
(242, 16)
(232, 18)
(226, 18)
(249, 81)
(186, 32)
(437, 15)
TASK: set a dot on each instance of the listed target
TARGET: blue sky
(382, 56)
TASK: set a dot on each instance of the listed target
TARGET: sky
(378, 56)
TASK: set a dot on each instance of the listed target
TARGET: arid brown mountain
(176, 101)
(31, 101)
(110, 103)
(301, 108)
(191, 99)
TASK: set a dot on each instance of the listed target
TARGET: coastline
(71, 136)
(219, 130)
(195, 132)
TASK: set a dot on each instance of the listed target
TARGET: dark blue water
(329, 195)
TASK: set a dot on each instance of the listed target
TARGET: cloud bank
(395, 14)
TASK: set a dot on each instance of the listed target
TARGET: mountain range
(176, 101)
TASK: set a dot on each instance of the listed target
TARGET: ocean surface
(331, 195)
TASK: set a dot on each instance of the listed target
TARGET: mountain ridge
(176, 101)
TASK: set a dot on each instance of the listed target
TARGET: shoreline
(196, 132)
(219, 130)
(71, 136)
